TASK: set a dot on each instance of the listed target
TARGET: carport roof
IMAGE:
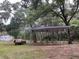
(50, 28)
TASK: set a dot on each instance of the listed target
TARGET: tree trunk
(69, 38)
(34, 37)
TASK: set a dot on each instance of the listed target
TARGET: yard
(10, 51)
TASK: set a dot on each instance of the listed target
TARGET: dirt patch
(61, 51)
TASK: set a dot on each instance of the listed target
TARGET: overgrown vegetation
(9, 51)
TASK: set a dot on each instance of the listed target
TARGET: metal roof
(48, 28)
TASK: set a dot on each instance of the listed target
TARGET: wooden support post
(69, 38)
(34, 37)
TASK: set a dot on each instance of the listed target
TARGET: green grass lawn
(8, 51)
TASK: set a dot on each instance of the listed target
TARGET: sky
(12, 1)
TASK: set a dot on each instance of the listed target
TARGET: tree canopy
(61, 8)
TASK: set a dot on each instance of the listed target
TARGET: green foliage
(2, 27)
(34, 14)
(14, 33)
(24, 35)
(75, 33)
(14, 28)
(74, 22)
(62, 36)
(58, 8)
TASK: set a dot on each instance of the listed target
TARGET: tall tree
(12, 17)
(17, 21)
(65, 9)
(5, 7)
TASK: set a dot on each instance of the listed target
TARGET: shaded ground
(61, 51)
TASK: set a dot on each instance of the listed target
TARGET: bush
(74, 32)
(14, 33)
